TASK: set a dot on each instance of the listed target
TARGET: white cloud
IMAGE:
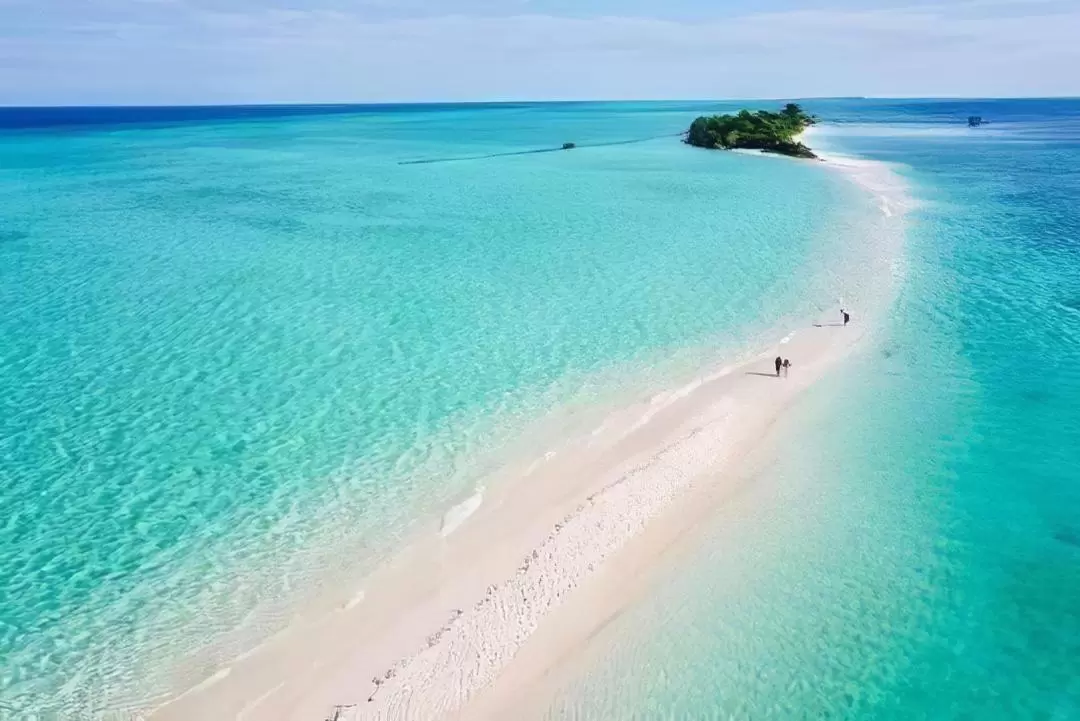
(279, 54)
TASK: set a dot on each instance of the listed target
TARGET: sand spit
(438, 627)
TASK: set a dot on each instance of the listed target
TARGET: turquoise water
(244, 355)
(908, 547)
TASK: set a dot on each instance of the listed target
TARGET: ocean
(249, 352)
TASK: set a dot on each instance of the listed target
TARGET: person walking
(787, 367)
(779, 362)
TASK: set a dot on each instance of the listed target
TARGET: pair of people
(785, 365)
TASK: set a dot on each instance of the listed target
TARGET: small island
(764, 131)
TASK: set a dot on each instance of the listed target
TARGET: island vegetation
(761, 130)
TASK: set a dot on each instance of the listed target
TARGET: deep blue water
(101, 117)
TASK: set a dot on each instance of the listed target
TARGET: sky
(124, 52)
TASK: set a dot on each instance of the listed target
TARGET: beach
(466, 620)
(445, 621)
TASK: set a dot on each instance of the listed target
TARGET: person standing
(779, 362)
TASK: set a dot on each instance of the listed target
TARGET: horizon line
(555, 101)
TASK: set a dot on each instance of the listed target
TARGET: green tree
(763, 130)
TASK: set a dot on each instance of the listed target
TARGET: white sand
(466, 620)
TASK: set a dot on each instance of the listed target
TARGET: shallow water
(906, 547)
(245, 356)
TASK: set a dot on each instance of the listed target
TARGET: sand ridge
(440, 627)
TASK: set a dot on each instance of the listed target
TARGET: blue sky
(241, 51)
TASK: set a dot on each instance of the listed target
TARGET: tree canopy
(762, 130)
